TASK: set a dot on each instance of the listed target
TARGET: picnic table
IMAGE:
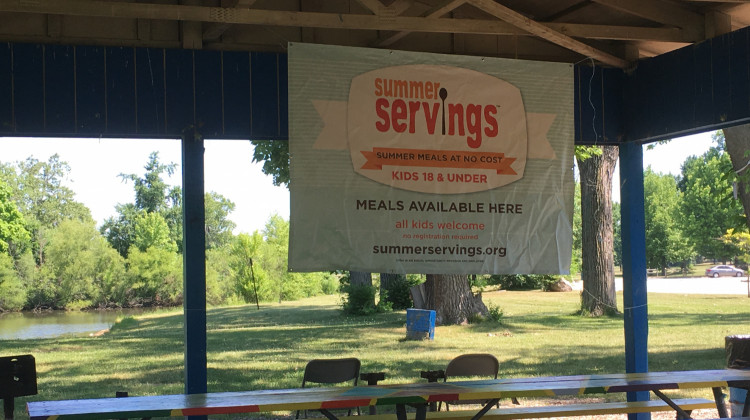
(417, 395)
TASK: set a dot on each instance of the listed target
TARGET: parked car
(724, 270)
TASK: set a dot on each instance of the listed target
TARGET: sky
(229, 170)
(668, 158)
(96, 164)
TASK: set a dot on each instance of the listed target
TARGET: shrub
(523, 281)
(397, 294)
(494, 313)
(359, 300)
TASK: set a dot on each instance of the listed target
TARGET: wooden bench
(566, 410)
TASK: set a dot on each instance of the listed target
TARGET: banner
(406, 162)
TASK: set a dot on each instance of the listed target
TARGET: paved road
(690, 285)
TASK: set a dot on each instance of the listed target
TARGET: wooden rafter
(331, 20)
(438, 11)
(215, 30)
(394, 9)
(659, 11)
(535, 28)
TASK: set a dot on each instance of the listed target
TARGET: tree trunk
(387, 282)
(450, 296)
(737, 143)
(597, 238)
(360, 278)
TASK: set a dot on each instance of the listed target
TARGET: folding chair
(472, 365)
(331, 371)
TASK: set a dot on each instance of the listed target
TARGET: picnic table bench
(417, 396)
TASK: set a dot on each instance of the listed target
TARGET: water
(28, 325)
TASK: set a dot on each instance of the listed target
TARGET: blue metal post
(634, 266)
(194, 262)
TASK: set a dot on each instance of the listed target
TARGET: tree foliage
(665, 242)
(39, 194)
(707, 207)
(13, 233)
(150, 230)
(134, 258)
(275, 158)
(12, 291)
(157, 205)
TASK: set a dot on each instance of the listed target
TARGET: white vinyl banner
(405, 162)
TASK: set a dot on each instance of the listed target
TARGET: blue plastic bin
(420, 324)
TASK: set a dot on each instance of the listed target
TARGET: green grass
(251, 349)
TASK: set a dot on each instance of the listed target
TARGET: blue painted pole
(194, 263)
(634, 266)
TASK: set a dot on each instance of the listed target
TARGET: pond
(28, 325)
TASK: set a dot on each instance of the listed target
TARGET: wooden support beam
(394, 9)
(54, 26)
(191, 30)
(668, 13)
(144, 30)
(623, 33)
(438, 11)
(213, 31)
(545, 32)
(717, 23)
(228, 16)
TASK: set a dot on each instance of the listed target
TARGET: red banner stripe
(456, 159)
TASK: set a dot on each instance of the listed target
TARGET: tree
(13, 233)
(220, 277)
(665, 243)
(275, 158)
(120, 231)
(218, 226)
(154, 277)
(152, 195)
(151, 231)
(12, 292)
(707, 207)
(737, 142)
(43, 200)
(243, 250)
(84, 269)
(575, 261)
(617, 232)
(452, 299)
(394, 289)
(151, 191)
(596, 165)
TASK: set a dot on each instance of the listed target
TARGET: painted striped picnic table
(400, 396)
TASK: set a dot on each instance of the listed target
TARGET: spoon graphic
(443, 94)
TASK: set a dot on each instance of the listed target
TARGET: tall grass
(538, 335)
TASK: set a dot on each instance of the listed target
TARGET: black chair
(472, 365)
(331, 371)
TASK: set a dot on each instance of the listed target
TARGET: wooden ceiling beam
(228, 16)
(535, 28)
(394, 9)
(214, 30)
(439, 10)
(660, 11)
(622, 33)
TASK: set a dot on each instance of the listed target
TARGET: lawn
(268, 348)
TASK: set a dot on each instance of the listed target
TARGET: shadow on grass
(268, 348)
